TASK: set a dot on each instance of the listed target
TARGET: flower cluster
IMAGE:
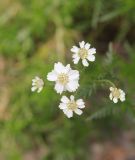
(67, 79)
(116, 94)
(37, 84)
(70, 105)
(64, 77)
(85, 53)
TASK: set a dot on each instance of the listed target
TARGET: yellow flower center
(116, 93)
(83, 53)
(39, 83)
(63, 78)
(72, 105)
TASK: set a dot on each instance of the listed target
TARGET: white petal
(37, 78)
(91, 57)
(78, 111)
(33, 83)
(72, 86)
(67, 68)
(68, 112)
(122, 98)
(34, 80)
(74, 75)
(87, 46)
(33, 88)
(80, 102)
(75, 55)
(59, 67)
(52, 76)
(74, 49)
(111, 89)
(76, 60)
(115, 100)
(121, 92)
(82, 44)
(111, 96)
(64, 99)
(62, 106)
(92, 51)
(59, 88)
(72, 98)
(39, 89)
(81, 106)
(85, 63)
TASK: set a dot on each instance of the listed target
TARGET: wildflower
(117, 94)
(66, 79)
(37, 84)
(70, 105)
(85, 53)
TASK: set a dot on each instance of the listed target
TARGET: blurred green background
(36, 33)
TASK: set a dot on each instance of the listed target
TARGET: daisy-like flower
(85, 53)
(66, 79)
(37, 84)
(117, 94)
(70, 105)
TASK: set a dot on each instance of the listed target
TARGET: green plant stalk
(106, 81)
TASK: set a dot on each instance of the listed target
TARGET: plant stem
(106, 81)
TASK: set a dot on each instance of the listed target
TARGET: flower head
(70, 105)
(66, 79)
(37, 84)
(85, 53)
(117, 94)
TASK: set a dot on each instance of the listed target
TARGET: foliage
(35, 34)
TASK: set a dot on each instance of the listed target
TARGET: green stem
(106, 81)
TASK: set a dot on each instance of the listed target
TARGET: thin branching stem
(106, 81)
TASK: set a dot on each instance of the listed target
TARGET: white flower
(37, 84)
(117, 94)
(85, 53)
(66, 79)
(70, 105)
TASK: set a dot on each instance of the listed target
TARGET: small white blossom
(66, 79)
(70, 105)
(117, 94)
(85, 53)
(37, 84)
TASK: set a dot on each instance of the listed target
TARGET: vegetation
(35, 34)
